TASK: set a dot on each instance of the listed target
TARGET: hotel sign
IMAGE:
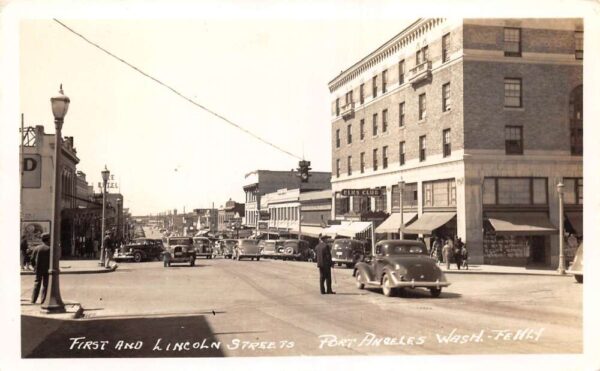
(364, 192)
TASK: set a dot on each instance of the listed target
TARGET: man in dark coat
(40, 258)
(324, 262)
(458, 253)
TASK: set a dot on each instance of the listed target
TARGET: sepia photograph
(298, 186)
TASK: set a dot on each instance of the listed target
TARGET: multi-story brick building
(480, 119)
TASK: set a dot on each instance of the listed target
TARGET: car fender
(365, 270)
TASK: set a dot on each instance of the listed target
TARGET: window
(362, 129)
(384, 153)
(361, 204)
(337, 168)
(374, 124)
(422, 148)
(374, 86)
(512, 92)
(439, 193)
(384, 82)
(349, 134)
(342, 204)
(515, 191)
(381, 201)
(401, 114)
(578, 45)
(349, 165)
(337, 106)
(422, 55)
(362, 162)
(422, 107)
(409, 197)
(375, 159)
(512, 42)
(576, 120)
(445, 48)
(446, 142)
(337, 138)
(349, 98)
(446, 102)
(362, 93)
(384, 122)
(513, 136)
(573, 191)
(402, 153)
(401, 72)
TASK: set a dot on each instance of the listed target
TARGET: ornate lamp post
(53, 302)
(561, 229)
(105, 175)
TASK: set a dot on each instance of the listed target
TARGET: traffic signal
(303, 171)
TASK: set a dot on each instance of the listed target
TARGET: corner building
(480, 119)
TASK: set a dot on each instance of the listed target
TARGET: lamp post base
(54, 309)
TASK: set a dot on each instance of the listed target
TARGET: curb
(506, 273)
(73, 311)
(88, 271)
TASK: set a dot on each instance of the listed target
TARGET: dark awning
(521, 223)
(576, 220)
(392, 223)
(428, 222)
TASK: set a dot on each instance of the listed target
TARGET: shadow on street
(151, 337)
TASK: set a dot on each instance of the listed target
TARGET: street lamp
(105, 175)
(53, 303)
(561, 229)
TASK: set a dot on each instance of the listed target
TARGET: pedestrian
(435, 249)
(458, 253)
(107, 250)
(324, 262)
(446, 253)
(95, 249)
(40, 258)
(465, 256)
(25, 259)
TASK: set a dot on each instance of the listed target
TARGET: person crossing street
(324, 262)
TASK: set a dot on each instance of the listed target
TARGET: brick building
(480, 119)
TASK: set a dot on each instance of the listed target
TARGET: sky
(268, 75)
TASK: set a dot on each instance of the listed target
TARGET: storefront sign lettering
(364, 192)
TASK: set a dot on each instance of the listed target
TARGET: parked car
(179, 250)
(269, 248)
(398, 264)
(576, 267)
(247, 248)
(348, 251)
(203, 247)
(297, 250)
(228, 248)
(140, 249)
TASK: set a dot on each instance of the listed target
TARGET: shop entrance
(538, 249)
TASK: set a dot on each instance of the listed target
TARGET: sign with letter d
(32, 171)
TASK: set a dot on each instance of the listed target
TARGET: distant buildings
(230, 216)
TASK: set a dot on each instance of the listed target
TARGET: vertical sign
(32, 171)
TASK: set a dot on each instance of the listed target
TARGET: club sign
(364, 192)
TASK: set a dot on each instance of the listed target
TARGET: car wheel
(385, 286)
(359, 284)
(257, 259)
(579, 278)
(137, 257)
(435, 292)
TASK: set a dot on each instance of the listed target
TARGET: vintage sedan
(399, 264)
(179, 250)
(140, 249)
(347, 251)
(297, 250)
(576, 267)
(246, 248)
(270, 248)
(203, 247)
(228, 248)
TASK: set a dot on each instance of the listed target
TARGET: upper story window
(337, 138)
(349, 98)
(384, 82)
(573, 191)
(374, 86)
(401, 114)
(422, 148)
(576, 120)
(337, 106)
(422, 107)
(513, 140)
(409, 196)
(446, 102)
(512, 42)
(362, 129)
(384, 154)
(362, 93)
(515, 191)
(512, 92)
(349, 165)
(349, 134)
(439, 193)
(422, 55)
(384, 120)
(446, 142)
(337, 168)
(375, 159)
(375, 127)
(401, 72)
(362, 162)
(402, 153)
(578, 44)
(446, 48)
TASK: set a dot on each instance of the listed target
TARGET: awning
(392, 223)
(351, 229)
(521, 223)
(576, 220)
(331, 230)
(310, 231)
(428, 222)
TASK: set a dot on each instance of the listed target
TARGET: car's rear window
(248, 242)
(405, 249)
(180, 241)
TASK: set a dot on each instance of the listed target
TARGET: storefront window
(515, 191)
(573, 191)
(381, 201)
(342, 204)
(441, 193)
(540, 196)
(489, 191)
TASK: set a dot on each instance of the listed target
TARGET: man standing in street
(107, 250)
(324, 262)
(40, 258)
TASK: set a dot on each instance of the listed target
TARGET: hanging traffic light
(303, 170)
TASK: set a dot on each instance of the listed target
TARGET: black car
(140, 249)
(297, 250)
(347, 251)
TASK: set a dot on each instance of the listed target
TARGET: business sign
(32, 171)
(363, 192)
(264, 215)
(110, 184)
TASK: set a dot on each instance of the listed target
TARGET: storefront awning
(428, 222)
(576, 220)
(310, 231)
(521, 223)
(331, 230)
(351, 229)
(392, 223)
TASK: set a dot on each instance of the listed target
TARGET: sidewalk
(80, 267)
(498, 269)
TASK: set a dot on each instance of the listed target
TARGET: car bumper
(249, 255)
(123, 257)
(342, 260)
(412, 283)
(573, 272)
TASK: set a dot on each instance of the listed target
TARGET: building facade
(230, 216)
(466, 126)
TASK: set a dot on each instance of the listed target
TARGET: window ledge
(516, 109)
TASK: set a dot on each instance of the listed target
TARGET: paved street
(251, 308)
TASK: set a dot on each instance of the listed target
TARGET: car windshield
(404, 249)
(180, 241)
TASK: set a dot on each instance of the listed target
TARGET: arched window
(576, 120)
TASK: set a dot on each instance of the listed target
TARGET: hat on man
(45, 237)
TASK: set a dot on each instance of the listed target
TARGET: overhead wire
(255, 136)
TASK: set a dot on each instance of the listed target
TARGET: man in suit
(324, 262)
(40, 259)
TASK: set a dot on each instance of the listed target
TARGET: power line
(177, 92)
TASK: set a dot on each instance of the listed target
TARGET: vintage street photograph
(234, 183)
